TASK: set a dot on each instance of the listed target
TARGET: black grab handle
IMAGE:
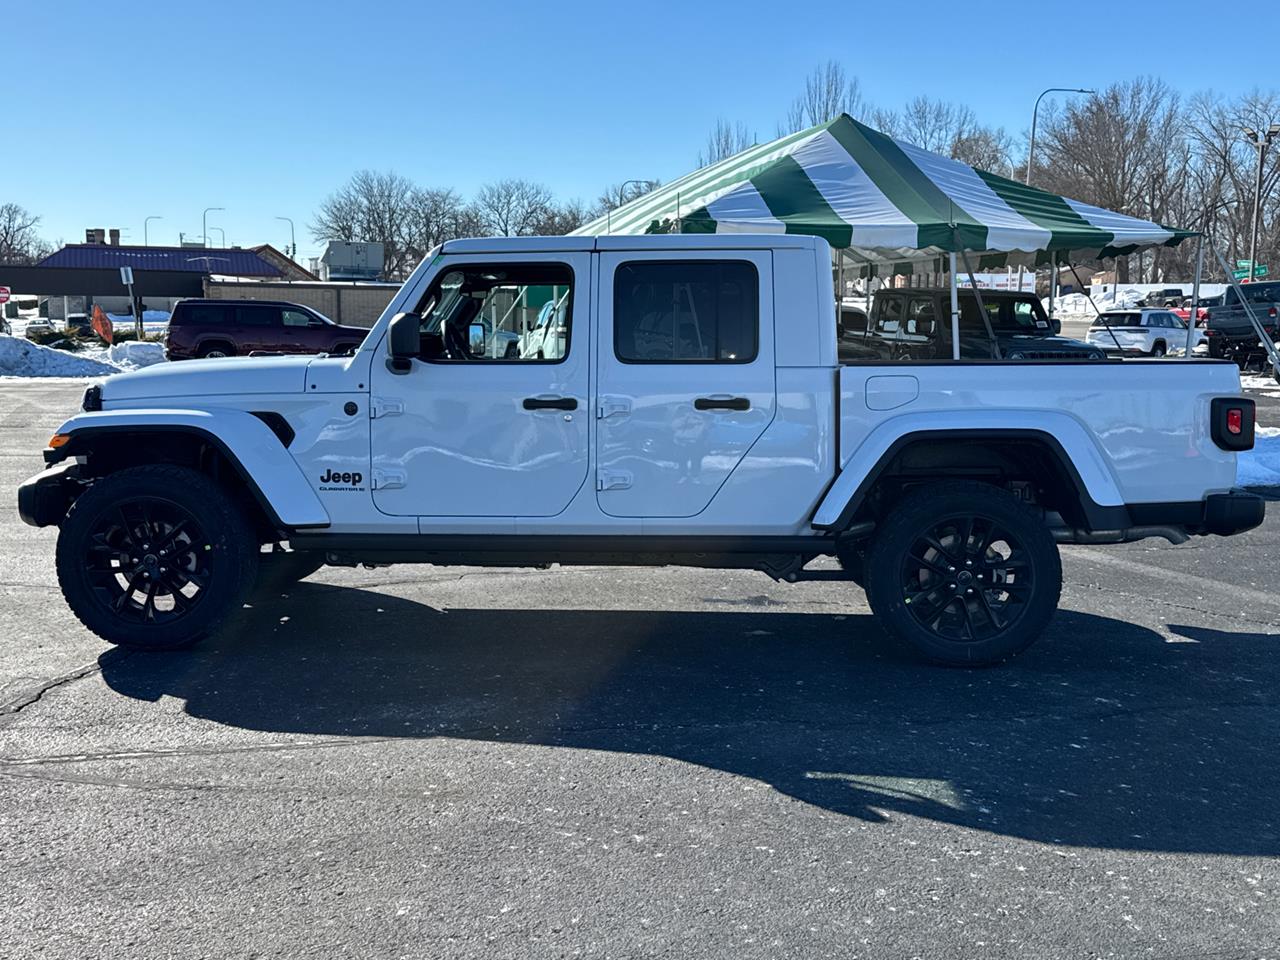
(727, 403)
(550, 403)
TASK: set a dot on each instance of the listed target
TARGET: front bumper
(43, 500)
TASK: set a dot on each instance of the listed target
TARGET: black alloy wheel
(967, 579)
(963, 572)
(149, 561)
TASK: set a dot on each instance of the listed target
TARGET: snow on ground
(136, 353)
(20, 357)
(1260, 467)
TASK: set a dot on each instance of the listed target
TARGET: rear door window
(694, 311)
(257, 316)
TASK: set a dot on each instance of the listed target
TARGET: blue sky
(114, 111)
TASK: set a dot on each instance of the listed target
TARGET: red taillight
(1272, 313)
(1235, 421)
(1210, 332)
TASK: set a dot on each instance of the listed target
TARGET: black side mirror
(403, 342)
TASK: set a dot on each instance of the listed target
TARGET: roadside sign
(4, 294)
(1243, 264)
(1260, 270)
(1243, 273)
(126, 276)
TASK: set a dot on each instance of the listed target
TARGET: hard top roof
(663, 241)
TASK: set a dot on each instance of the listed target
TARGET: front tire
(964, 573)
(155, 557)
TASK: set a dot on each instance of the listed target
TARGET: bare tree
(433, 216)
(18, 240)
(512, 208)
(949, 129)
(828, 92)
(616, 194)
(1114, 149)
(724, 141)
(562, 218)
(374, 207)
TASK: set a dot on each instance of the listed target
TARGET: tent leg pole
(1263, 337)
(955, 311)
(982, 308)
(1195, 297)
(1053, 284)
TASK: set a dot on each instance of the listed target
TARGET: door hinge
(607, 406)
(388, 479)
(386, 407)
(612, 480)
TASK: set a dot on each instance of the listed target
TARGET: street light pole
(1035, 115)
(293, 240)
(221, 233)
(204, 223)
(145, 223)
(1260, 143)
(1031, 154)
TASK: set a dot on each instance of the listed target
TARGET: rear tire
(215, 350)
(964, 573)
(155, 557)
(1158, 350)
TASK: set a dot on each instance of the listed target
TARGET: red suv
(229, 328)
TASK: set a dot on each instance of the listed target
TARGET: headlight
(1015, 355)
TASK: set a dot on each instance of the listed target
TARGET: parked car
(229, 328)
(1141, 332)
(1163, 298)
(1231, 335)
(39, 327)
(915, 324)
(547, 339)
(699, 417)
(1183, 311)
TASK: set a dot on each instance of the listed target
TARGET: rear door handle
(550, 403)
(722, 403)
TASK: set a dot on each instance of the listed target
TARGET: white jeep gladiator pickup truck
(696, 414)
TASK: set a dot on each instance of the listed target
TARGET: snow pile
(20, 357)
(136, 353)
(1077, 304)
(1260, 467)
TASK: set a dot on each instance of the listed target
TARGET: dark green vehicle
(915, 324)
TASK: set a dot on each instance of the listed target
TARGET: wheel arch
(245, 452)
(1071, 476)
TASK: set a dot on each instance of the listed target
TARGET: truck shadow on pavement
(1104, 735)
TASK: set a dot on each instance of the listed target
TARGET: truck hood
(208, 378)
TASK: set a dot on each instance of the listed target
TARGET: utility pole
(1260, 143)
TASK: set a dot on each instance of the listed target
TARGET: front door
(474, 429)
(686, 376)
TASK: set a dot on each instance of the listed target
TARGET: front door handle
(550, 403)
(722, 403)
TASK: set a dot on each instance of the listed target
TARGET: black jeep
(915, 324)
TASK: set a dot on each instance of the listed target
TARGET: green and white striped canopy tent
(886, 202)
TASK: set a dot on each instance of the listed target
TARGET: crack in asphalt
(29, 697)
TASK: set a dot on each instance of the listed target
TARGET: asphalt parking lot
(426, 762)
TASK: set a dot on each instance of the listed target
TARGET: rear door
(258, 328)
(685, 373)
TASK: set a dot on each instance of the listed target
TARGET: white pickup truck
(696, 415)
